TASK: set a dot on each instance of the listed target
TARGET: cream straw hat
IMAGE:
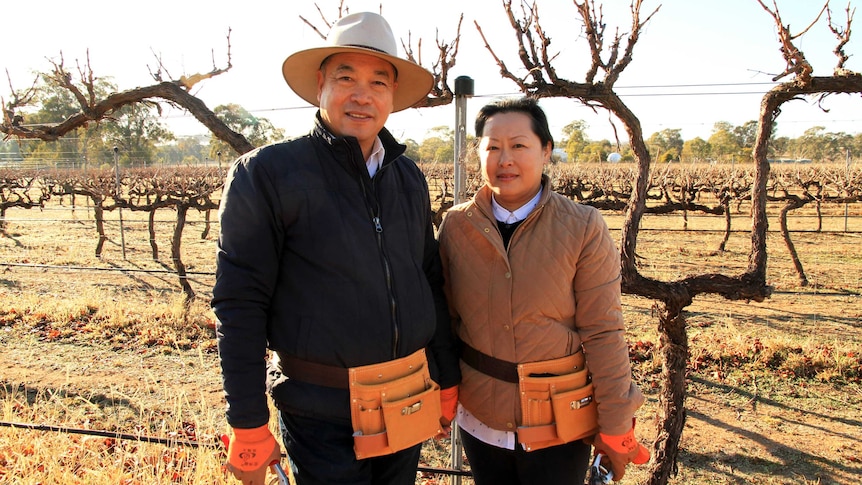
(364, 33)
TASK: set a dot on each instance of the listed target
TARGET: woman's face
(512, 158)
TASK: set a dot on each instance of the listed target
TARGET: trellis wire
(216, 443)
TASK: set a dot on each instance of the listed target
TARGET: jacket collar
(482, 199)
(322, 133)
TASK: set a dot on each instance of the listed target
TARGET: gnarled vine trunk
(176, 254)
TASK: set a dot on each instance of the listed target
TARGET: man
(327, 257)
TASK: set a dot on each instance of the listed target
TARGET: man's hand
(250, 453)
(621, 450)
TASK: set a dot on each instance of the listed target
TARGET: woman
(533, 284)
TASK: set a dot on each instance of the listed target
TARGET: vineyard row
(672, 188)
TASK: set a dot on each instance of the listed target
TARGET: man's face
(355, 93)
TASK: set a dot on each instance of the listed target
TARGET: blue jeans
(558, 465)
(321, 453)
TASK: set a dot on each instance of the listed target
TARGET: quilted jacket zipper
(372, 204)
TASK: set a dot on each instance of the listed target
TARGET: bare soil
(749, 419)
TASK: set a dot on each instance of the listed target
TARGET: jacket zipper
(372, 204)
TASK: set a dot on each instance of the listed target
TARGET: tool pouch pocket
(393, 405)
(557, 403)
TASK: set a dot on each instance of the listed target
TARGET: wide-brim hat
(363, 33)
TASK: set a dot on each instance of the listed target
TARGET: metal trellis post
(846, 204)
(463, 90)
(117, 175)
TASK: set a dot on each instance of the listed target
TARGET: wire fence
(80, 230)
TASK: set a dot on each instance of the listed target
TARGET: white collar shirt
(509, 217)
(376, 159)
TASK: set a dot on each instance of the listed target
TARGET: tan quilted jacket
(557, 288)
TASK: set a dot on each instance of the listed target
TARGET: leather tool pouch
(557, 404)
(393, 405)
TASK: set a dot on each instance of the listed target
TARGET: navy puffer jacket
(322, 262)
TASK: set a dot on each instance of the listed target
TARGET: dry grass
(54, 457)
(774, 390)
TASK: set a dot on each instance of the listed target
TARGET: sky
(696, 63)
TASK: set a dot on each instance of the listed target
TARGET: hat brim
(300, 72)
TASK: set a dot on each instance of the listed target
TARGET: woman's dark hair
(527, 105)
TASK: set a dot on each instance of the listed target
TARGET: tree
(135, 132)
(695, 150)
(724, 144)
(856, 144)
(133, 128)
(667, 144)
(412, 150)
(94, 106)
(802, 83)
(596, 151)
(439, 147)
(574, 139)
(187, 151)
(258, 131)
(10, 152)
(746, 134)
(818, 144)
(55, 105)
(779, 146)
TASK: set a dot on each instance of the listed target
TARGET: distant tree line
(142, 140)
(726, 144)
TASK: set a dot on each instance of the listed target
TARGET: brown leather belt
(313, 373)
(488, 365)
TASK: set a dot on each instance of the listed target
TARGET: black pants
(321, 453)
(557, 465)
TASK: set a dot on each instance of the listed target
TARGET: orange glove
(250, 453)
(621, 450)
(448, 404)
